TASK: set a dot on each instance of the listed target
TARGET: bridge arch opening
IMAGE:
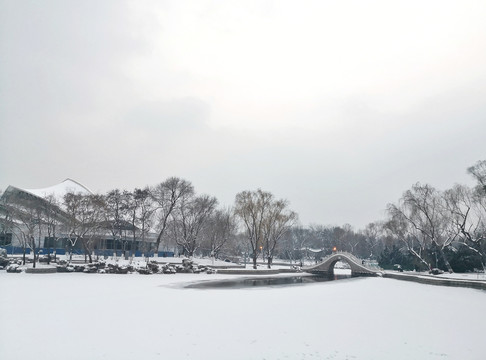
(340, 267)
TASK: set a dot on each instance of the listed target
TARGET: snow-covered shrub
(144, 271)
(14, 268)
(65, 267)
(90, 269)
(179, 268)
(188, 266)
(78, 268)
(118, 268)
(153, 266)
(168, 269)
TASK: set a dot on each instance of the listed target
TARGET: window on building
(50, 242)
(5, 239)
(109, 244)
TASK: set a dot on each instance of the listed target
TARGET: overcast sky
(337, 106)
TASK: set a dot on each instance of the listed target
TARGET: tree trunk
(446, 262)
(33, 250)
(86, 252)
(414, 253)
(255, 259)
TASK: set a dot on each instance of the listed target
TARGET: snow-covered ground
(468, 276)
(455, 276)
(103, 316)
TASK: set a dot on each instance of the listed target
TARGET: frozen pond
(96, 316)
(262, 281)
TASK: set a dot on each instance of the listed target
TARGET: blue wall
(16, 250)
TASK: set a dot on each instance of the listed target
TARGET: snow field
(104, 316)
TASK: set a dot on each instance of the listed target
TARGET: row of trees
(424, 228)
(169, 214)
(316, 241)
(28, 219)
(431, 224)
(171, 209)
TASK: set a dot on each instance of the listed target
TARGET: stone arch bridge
(358, 266)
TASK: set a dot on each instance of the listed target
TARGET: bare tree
(220, 228)
(279, 220)
(251, 207)
(53, 219)
(22, 216)
(478, 171)
(422, 219)
(295, 240)
(145, 209)
(139, 209)
(131, 207)
(28, 226)
(116, 215)
(349, 239)
(400, 230)
(467, 210)
(265, 220)
(322, 237)
(189, 218)
(6, 215)
(85, 219)
(166, 196)
(372, 233)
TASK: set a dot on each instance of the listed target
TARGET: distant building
(36, 219)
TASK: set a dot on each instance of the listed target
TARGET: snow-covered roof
(312, 250)
(61, 189)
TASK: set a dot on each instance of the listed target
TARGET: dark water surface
(264, 282)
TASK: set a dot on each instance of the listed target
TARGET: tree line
(440, 228)
(168, 214)
(425, 228)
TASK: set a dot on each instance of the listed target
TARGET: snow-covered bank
(104, 316)
(466, 280)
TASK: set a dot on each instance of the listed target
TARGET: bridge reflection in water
(265, 282)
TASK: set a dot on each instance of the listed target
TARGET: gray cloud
(118, 94)
(186, 114)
